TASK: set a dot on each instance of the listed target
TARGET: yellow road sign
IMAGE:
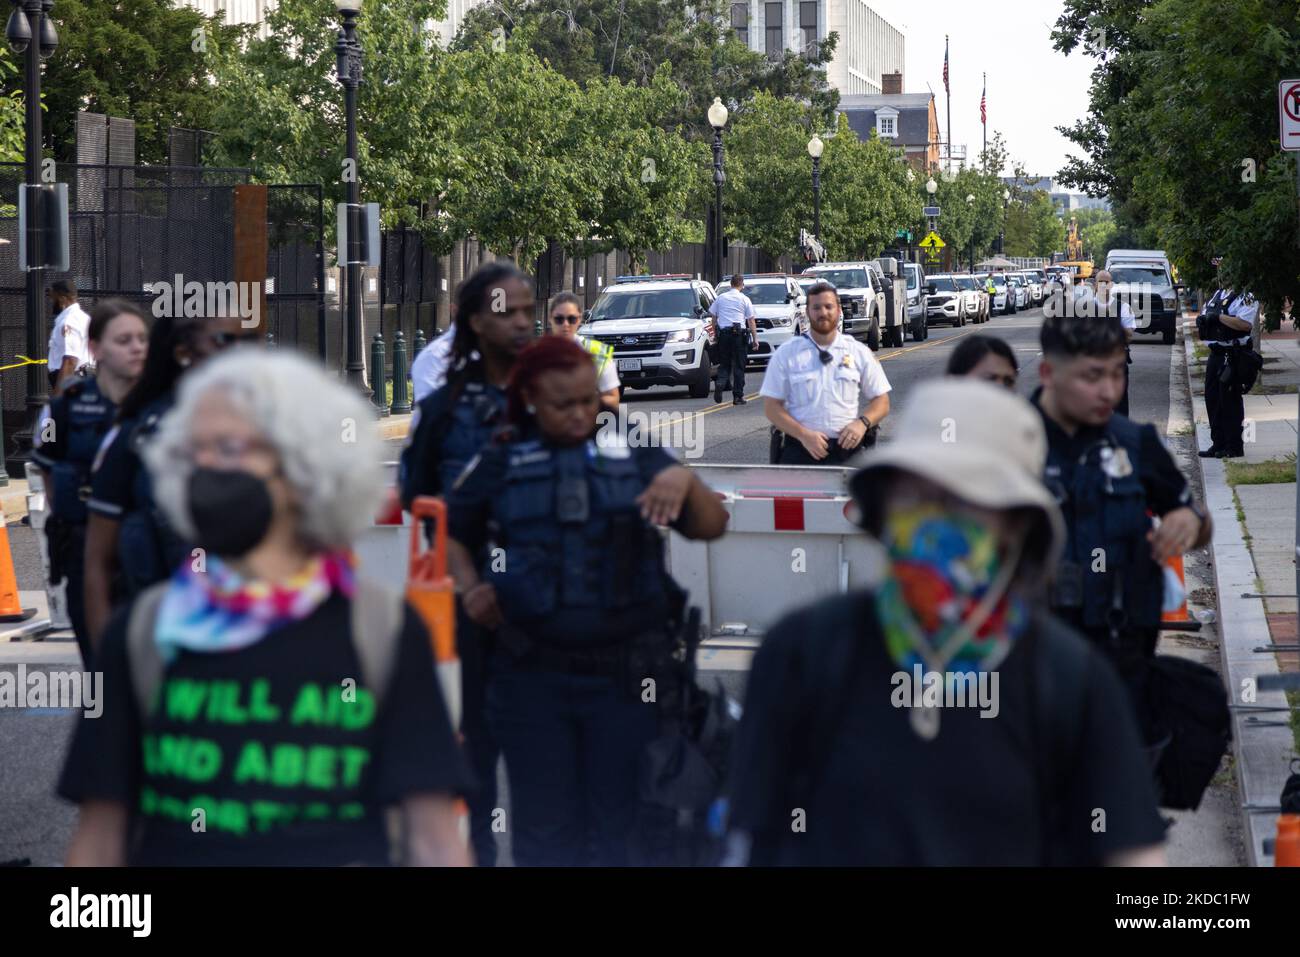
(933, 240)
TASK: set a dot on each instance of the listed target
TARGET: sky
(1031, 87)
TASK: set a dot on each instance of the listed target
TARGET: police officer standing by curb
(1107, 473)
(1110, 304)
(1224, 403)
(815, 386)
(732, 312)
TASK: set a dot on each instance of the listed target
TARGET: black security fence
(131, 227)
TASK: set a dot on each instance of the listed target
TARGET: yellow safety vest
(600, 352)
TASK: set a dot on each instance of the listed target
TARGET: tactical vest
(478, 411)
(577, 564)
(86, 417)
(148, 550)
(1107, 582)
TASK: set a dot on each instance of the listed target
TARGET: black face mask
(231, 510)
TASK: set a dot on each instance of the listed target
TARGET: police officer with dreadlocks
(494, 322)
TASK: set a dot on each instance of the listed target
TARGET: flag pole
(948, 96)
(983, 120)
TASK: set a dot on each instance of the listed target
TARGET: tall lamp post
(931, 187)
(815, 147)
(970, 201)
(1002, 237)
(717, 119)
(347, 49)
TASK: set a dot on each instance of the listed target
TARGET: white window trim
(887, 113)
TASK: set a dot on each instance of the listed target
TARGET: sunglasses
(567, 320)
(230, 338)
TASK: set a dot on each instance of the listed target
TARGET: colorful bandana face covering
(217, 610)
(946, 605)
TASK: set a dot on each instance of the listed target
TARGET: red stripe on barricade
(787, 514)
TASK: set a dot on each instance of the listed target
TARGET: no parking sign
(1288, 112)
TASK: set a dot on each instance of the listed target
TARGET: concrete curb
(1261, 751)
(394, 427)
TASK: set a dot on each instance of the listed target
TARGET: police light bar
(646, 277)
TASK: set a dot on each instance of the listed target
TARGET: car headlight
(781, 321)
(682, 335)
(1170, 302)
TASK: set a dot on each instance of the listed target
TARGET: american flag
(984, 116)
(945, 66)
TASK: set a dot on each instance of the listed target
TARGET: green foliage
(630, 39)
(131, 58)
(1182, 134)
(12, 107)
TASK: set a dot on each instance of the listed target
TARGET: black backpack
(681, 810)
(1186, 704)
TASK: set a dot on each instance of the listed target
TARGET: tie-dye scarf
(942, 566)
(217, 610)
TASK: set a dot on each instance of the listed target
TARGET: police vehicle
(947, 301)
(1144, 279)
(862, 297)
(916, 298)
(659, 329)
(976, 299)
(778, 310)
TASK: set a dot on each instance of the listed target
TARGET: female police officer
(494, 321)
(576, 587)
(69, 437)
(125, 530)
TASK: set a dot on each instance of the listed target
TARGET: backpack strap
(143, 659)
(378, 613)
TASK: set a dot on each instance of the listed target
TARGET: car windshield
(943, 283)
(1155, 275)
(965, 282)
(645, 304)
(766, 294)
(912, 275)
(845, 278)
(1000, 282)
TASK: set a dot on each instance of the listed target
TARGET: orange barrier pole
(1286, 852)
(1180, 613)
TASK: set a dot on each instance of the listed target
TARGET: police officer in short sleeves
(824, 391)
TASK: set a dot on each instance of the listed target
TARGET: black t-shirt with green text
(273, 754)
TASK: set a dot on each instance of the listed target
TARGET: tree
(866, 195)
(630, 39)
(769, 175)
(12, 112)
(140, 59)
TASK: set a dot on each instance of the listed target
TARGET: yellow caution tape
(26, 362)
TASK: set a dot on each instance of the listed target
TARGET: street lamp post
(717, 119)
(31, 30)
(347, 49)
(931, 187)
(815, 147)
(970, 201)
(1002, 237)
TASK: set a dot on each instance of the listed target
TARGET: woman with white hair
(265, 705)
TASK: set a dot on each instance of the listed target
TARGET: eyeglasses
(225, 452)
(566, 320)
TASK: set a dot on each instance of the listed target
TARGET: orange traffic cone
(432, 593)
(1286, 852)
(11, 606)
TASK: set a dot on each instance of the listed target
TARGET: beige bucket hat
(981, 443)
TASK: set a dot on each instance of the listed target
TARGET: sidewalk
(1253, 504)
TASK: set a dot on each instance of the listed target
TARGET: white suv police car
(862, 297)
(658, 327)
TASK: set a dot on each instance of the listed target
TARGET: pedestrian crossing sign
(932, 240)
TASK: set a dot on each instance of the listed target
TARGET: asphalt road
(36, 825)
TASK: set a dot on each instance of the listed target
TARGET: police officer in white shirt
(1109, 303)
(69, 348)
(1223, 400)
(429, 370)
(732, 312)
(816, 387)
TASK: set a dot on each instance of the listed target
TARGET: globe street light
(931, 186)
(717, 119)
(970, 201)
(347, 49)
(815, 147)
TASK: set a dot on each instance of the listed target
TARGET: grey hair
(322, 431)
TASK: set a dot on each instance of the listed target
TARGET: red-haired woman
(574, 581)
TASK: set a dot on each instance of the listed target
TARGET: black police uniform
(147, 547)
(1224, 403)
(1108, 586)
(79, 418)
(588, 609)
(454, 422)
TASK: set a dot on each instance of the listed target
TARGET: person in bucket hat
(940, 716)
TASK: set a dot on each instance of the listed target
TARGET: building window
(887, 126)
(808, 25)
(740, 22)
(774, 24)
